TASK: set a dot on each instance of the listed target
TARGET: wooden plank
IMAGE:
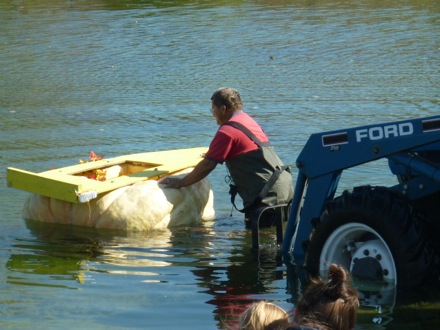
(66, 183)
(41, 185)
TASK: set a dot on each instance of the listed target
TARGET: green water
(120, 77)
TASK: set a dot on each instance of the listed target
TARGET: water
(121, 77)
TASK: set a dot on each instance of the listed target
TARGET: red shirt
(230, 142)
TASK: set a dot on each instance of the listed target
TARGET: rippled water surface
(121, 77)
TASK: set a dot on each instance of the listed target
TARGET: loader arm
(326, 155)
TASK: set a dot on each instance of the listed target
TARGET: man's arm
(202, 169)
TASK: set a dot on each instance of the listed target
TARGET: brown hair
(228, 97)
(331, 303)
(263, 316)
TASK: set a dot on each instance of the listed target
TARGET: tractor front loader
(380, 233)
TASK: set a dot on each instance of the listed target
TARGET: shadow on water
(222, 264)
(384, 307)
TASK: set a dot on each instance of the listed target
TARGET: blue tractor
(380, 233)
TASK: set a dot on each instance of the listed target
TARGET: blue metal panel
(336, 150)
(418, 166)
(289, 235)
(318, 191)
(417, 188)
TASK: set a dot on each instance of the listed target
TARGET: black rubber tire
(391, 216)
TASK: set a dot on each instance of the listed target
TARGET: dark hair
(331, 303)
(228, 97)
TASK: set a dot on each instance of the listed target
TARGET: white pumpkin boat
(117, 193)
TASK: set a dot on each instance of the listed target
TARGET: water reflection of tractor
(381, 233)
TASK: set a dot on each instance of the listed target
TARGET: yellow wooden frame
(65, 184)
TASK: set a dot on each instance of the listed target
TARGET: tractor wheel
(376, 234)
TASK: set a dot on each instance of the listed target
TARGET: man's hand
(170, 182)
(202, 169)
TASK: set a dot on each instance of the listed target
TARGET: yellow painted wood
(42, 185)
(65, 183)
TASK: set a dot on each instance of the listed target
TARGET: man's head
(228, 97)
(225, 101)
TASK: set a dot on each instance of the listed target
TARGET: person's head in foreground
(263, 316)
(330, 303)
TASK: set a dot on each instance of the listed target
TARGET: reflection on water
(377, 300)
(76, 251)
(63, 256)
(68, 257)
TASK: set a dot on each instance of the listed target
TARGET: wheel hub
(369, 261)
(367, 268)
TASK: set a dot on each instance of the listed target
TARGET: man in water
(256, 172)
